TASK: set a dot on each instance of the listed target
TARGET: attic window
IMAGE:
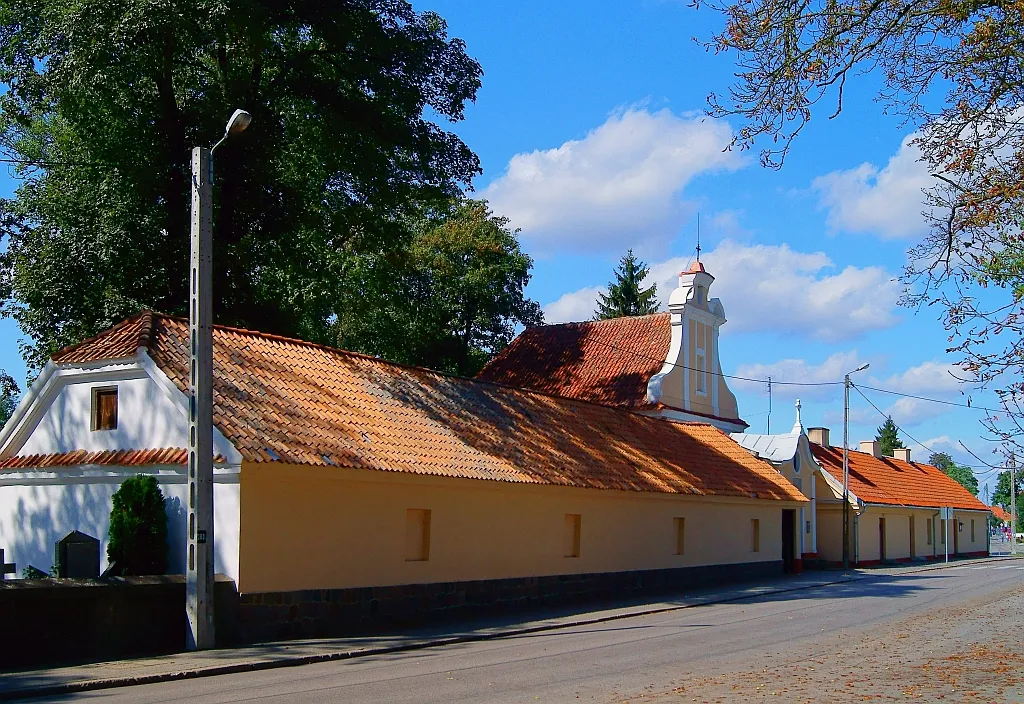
(104, 409)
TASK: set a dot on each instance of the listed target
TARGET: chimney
(819, 436)
(901, 453)
(871, 447)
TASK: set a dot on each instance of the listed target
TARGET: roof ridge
(603, 321)
(435, 372)
(144, 335)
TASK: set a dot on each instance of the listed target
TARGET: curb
(299, 660)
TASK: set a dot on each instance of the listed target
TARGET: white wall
(39, 508)
(146, 418)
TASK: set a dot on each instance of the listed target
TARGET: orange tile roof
(120, 458)
(119, 342)
(885, 480)
(604, 361)
(292, 401)
(1000, 514)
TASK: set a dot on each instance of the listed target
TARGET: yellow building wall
(330, 528)
(867, 547)
(830, 532)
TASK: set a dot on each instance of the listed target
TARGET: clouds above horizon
(772, 288)
(885, 202)
(619, 186)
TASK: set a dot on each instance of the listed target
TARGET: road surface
(946, 633)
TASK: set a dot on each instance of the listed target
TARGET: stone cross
(6, 568)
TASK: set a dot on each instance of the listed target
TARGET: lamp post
(199, 554)
(846, 464)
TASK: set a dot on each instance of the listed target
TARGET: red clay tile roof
(280, 399)
(604, 361)
(885, 480)
(119, 342)
(120, 458)
(1000, 514)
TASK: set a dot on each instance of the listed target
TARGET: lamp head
(240, 119)
(861, 368)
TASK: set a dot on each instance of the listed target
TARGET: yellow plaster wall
(897, 533)
(318, 528)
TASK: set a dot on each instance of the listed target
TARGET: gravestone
(6, 568)
(77, 555)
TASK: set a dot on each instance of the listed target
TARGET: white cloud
(930, 379)
(619, 186)
(578, 305)
(886, 202)
(800, 371)
(772, 288)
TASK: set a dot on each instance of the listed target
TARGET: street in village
(935, 634)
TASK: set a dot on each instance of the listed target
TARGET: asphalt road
(610, 661)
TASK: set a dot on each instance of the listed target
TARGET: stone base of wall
(321, 613)
(48, 621)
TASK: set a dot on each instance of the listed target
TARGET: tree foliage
(888, 437)
(959, 473)
(625, 295)
(107, 97)
(451, 300)
(1001, 496)
(138, 528)
(955, 70)
(8, 396)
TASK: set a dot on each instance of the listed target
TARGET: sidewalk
(122, 673)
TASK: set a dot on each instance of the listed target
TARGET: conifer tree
(625, 297)
(888, 437)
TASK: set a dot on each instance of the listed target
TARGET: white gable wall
(146, 418)
(38, 507)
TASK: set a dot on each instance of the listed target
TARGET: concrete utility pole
(200, 553)
(846, 464)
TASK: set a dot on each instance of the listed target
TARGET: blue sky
(590, 133)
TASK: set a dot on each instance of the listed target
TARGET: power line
(923, 446)
(708, 371)
(48, 164)
(934, 400)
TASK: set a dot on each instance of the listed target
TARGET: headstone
(77, 555)
(6, 568)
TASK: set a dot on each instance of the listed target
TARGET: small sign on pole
(946, 513)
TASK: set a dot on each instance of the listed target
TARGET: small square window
(755, 535)
(104, 409)
(417, 535)
(680, 532)
(571, 541)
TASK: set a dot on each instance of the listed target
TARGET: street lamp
(199, 555)
(846, 464)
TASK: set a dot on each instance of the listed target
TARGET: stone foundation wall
(47, 621)
(320, 613)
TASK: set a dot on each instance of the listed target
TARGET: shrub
(138, 528)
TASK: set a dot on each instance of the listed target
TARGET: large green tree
(450, 300)
(959, 473)
(1001, 496)
(955, 70)
(888, 437)
(626, 296)
(8, 396)
(106, 98)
